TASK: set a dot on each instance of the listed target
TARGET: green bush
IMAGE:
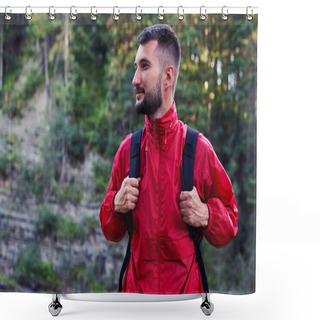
(101, 171)
(47, 223)
(92, 223)
(69, 230)
(58, 227)
(33, 273)
(9, 155)
(34, 179)
(71, 192)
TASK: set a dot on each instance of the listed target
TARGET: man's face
(147, 79)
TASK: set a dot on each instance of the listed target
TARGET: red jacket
(163, 258)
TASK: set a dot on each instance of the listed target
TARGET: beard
(151, 102)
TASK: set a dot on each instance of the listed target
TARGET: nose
(136, 78)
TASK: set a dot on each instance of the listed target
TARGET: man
(163, 257)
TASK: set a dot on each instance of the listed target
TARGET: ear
(169, 73)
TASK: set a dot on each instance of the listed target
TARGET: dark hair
(168, 45)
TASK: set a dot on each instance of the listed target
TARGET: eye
(144, 66)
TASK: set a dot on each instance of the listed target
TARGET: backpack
(188, 158)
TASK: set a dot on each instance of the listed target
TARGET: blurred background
(67, 102)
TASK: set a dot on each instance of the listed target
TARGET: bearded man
(162, 257)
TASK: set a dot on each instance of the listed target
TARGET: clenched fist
(194, 212)
(127, 197)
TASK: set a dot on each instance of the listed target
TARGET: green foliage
(71, 192)
(92, 224)
(9, 155)
(8, 282)
(47, 222)
(34, 179)
(31, 271)
(57, 226)
(101, 171)
(20, 87)
(87, 76)
(6, 159)
(69, 230)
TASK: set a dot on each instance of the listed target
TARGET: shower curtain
(67, 102)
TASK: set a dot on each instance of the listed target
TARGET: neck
(167, 102)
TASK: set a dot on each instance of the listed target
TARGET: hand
(194, 212)
(127, 197)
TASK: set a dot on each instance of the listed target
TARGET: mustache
(138, 89)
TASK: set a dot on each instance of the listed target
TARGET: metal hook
(52, 12)
(224, 15)
(180, 14)
(6, 15)
(203, 15)
(28, 16)
(160, 16)
(249, 16)
(73, 15)
(116, 16)
(93, 16)
(138, 16)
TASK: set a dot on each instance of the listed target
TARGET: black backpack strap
(133, 173)
(135, 154)
(189, 152)
(188, 158)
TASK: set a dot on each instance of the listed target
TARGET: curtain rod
(138, 10)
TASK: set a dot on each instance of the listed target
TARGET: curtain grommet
(51, 15)
(180, 13)
(93, 16)
(73, 13)
(224, 13)
(249, 16)
(160, 15)
(116, 15)
(28, 13)
(7, 17)
(203, 13)
(138, 15)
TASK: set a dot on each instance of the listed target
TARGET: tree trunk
(1, 57)
(66, 53)
(45, 67)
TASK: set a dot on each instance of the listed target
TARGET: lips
(139, 90)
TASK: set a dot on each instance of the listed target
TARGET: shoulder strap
(188, 158)
(133, 173)
(135, 154)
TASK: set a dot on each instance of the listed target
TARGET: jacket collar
(164, 128)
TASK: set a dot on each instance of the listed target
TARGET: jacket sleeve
(114, 225)
(215, 189)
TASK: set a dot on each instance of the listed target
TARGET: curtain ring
(93, 16)
(249, 16)
(28, 16)
(138, 16)
(224, 13)
(73, 15)
(6, 15)
(52, 12)
(203, 15)
(180, 14)
(160, 16)
(116, 16)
